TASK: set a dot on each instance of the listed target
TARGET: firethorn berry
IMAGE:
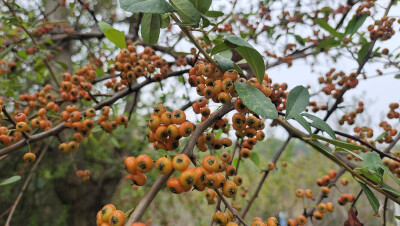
(75, 116)
(245, 153)
(230, 170)
(130, 164)
(210, 194)
(138, 178)
(212, 180)
(166, 118)
(188, 177)
(238, 180)
(178, 117)
(318, 215)
(185, 129)
(344, 181)
(272, 221)
(332, 174)
(63, 147)
(221, 167)
(88, 124)
(106, 212)
(219, 218)
(299, 193)
(138, 224)
(174, 185)
(322, 208)
(159, 109)
(73, 146)
(291, 222)
(154, 122)
(90, 112)
(209, 138)
(309, 194)
(329, 206)
(270, 166)
(226, 142)
(210, 163)
(231, 224)
(229, 189)
(29, 157)
(226, 157)
(117, 218)
(162, 132)
(180, 162)
(258, 223)
(22, 127)
(164, 165)
(301, 220)
(144, 163)
(105, 110)
(77, 137)
(325, 190)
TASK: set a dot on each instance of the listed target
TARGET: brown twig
(235, 214)
(27, 182)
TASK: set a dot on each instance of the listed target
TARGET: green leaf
(397, 217)
(371, 197)
(62, 65)
(373, 162)
(6, 51)
(114, 141)
(165, 20)
(237, 68)
(371, 175)
(22, 54)
(297, 101)
(328, 43)
(320, 124)
(224, 63)
(150, 28)
(219, 48)
(348, 151)
(302, 122)
(214, 14)
(322, 23)
(115, 36)
(201, 5)
(252, 56)
(10, 180)
(322, 147)
(146, 6)
(255, 100)
(187, 11)
(363, 51)
(338, 143)
(255, 158)
(354, 24)
(391, 190)
(382, 135)
(299, 39)
(397, 76)
(235, 162)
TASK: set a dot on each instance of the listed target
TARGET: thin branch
(259, 186)
(27, 182)
(236, 215)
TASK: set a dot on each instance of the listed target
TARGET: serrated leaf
(224, 63)
(373, 162)
(187, 11)
(146, 6)
(150, 28)
(214, 14)
(371, 197)
(255, 100)
(297, 101)
(201, 5)
(302, 122)
(115, 36)
(322, 23)
(348, 151)
(10, 180)
(255, 158)
(299, 39)
(248, 52)
(22, 54)
(339, 143)
(363, 51)
(382, 135)
(354, 24)
(219, 48)
(320, 124)
(165, 20)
